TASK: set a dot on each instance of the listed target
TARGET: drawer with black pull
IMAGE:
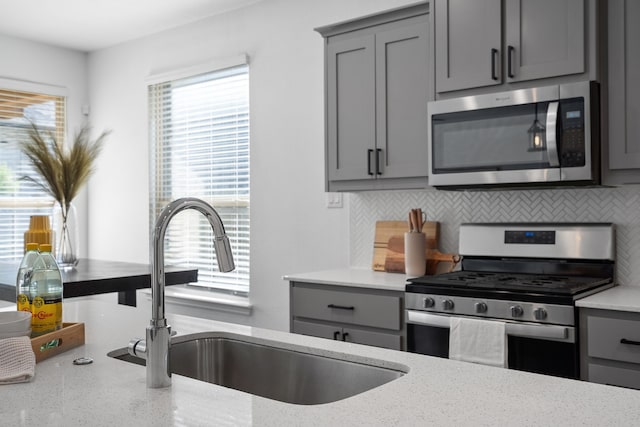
(347, 306)
(613, 339)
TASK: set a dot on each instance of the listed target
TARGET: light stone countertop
(435, 391)
(619, 298)
(354, 277)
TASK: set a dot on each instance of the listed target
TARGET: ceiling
(89, 25)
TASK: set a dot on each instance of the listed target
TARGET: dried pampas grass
(63, 170)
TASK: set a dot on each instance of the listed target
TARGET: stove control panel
(492, 309)
(530, 237)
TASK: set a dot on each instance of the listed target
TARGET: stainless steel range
(526, 275)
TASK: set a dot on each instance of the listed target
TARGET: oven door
(543, 349)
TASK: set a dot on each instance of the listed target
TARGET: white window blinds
(199, 132)
(19, 199)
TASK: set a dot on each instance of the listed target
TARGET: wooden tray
(71, 335)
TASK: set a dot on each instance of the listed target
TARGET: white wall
(291, 228)
(31, 62)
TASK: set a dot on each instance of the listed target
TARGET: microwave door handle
(552, 142)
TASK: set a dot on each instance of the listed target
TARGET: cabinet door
(376, 339)
(613, 375)
(351, 108)
(624, 84)
(544, 38)
(468, 44)
(317, 330)
(348, 334)
(402, 92)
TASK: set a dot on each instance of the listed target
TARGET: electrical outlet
(334, 200)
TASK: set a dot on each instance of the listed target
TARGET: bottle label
(47, 315)
(23, 303)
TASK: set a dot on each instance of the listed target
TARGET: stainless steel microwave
(541, 136)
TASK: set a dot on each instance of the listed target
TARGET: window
(19, 199)
(199, 139)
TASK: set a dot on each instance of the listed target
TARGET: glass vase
(65, 226)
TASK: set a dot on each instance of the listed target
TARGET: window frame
(43, 204)
(219, 291)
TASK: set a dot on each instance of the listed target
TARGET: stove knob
(447, 304)
(428, 302)
(481, 307)
(516, 311)
(540, 313)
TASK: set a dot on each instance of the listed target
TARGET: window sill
(181, 295)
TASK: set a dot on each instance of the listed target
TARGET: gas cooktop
(565, 285)
(525, 287)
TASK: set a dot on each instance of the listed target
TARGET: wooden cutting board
(388, 243)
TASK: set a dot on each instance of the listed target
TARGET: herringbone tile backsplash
(620, 206)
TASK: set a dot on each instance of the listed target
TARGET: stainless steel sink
(263, 369)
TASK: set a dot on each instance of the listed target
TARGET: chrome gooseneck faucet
(158, 339)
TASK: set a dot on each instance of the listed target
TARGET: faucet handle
(137, 347)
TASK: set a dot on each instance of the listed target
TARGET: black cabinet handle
(344, 336)
(369, 153)
(511, 50)
(494, 54)
(630, 342)
(378, 153)
(336, 334)
(341, 307)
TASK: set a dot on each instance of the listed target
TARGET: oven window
(491, 139)
(555, 358)
(428, 340)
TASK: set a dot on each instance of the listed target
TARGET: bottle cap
(32, 246)
(45, 247)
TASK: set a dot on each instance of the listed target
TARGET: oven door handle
(527, 330)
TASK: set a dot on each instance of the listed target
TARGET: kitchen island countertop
(433, 392)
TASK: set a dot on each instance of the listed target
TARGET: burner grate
(513, 282)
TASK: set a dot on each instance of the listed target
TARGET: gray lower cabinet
(490, 42)
(377, 85)
(623, 164)
(359, 315)
(610, 347)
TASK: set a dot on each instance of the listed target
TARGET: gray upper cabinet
(624, 92)
(490, 42)
(377, 88)
(468, 43)
(351, 117)
(544, 38)
(401, 94)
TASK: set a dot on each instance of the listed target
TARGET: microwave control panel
(572, 149)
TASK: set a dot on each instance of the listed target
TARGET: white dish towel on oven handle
(478, 341)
